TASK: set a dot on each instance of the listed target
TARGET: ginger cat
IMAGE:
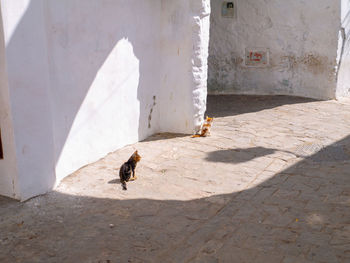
(205, 130)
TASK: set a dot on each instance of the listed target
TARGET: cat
(205, 130)
(128, 168)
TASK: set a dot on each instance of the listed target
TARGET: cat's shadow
(114, 181)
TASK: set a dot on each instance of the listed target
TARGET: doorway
(1, 151)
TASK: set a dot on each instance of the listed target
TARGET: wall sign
(257, 57)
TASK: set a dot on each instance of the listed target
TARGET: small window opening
(229, 5)
(1, 151)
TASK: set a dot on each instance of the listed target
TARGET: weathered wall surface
(88, 77)
(300, 35)
(184, 45)
(199, 58)
(343, 85)
(8, 165)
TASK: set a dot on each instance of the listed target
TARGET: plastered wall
(302, 39)
(184, 47)
(88, 77)
(104, 74)
(29, 98)
(8, 165)
(343, 85)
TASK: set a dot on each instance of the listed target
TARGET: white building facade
(280, 47)
(80, 79)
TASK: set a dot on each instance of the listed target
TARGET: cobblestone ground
(272, 184)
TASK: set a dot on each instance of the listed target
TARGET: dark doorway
(1, 151)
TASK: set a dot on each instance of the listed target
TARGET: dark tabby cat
(127, 168)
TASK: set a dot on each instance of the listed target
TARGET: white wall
(104, 67)
(184, 43)
(302, 38)
(88, 77)
(8, 165)
(343, 85)
(28, 80)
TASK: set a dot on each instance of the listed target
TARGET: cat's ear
(135, 152)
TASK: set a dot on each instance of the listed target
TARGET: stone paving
(272, 184)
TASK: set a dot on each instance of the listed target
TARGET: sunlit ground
(271, 184)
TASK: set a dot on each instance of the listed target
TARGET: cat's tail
(196, 136)
(124, 186)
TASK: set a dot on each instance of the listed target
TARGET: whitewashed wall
(104, 67)
(88, 77)
(28, 80)
(343, 85)
(184, 46)
(302, 39)
(8, 165)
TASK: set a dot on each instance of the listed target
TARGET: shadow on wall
(301, 212)
(103, 67)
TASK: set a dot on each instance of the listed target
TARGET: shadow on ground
(165, 136)
(230, 105)
(114, 181)
(238, 155)
(300, 215)
(333, 153)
